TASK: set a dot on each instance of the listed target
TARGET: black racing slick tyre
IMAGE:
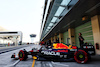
(22, 55)
(81, 56)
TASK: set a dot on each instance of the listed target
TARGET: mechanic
(49, 42)
(81, 40)
(57, 40)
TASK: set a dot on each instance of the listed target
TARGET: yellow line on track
(33, 63)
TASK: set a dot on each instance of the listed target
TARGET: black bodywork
(80, 55)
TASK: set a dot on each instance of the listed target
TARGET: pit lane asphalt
(6, 61)
(95, 62)
(5, 58)
(7, 49)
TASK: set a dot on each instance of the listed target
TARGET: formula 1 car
(60, 51)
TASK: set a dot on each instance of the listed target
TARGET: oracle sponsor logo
(50, 53)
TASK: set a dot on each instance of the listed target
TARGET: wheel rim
(20, 55)
(81, 56)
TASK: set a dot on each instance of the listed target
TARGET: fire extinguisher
(97, 46)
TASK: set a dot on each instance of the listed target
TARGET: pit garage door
(86, 30)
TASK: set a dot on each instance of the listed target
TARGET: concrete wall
(96, 31)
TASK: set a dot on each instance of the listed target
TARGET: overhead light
(65, 2)
(59, 11)
(54, 19)
(51, 24)
(84, 18)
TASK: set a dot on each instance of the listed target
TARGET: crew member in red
(41, 43)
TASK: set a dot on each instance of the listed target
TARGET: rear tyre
(22, 55)
(81, 56)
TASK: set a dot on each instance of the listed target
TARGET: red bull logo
(61, 46)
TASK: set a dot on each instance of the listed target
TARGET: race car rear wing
(89, 48)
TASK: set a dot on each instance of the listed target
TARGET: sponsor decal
(90, 52)
(63, 56)
(61, 51)
(73, 49)
(50, 53)
(88, 47)
(61, 46)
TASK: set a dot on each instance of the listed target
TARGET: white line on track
(50, 65)
(60, 64)
(12, 65)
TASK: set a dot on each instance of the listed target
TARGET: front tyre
(22, 55)
(81, 56)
